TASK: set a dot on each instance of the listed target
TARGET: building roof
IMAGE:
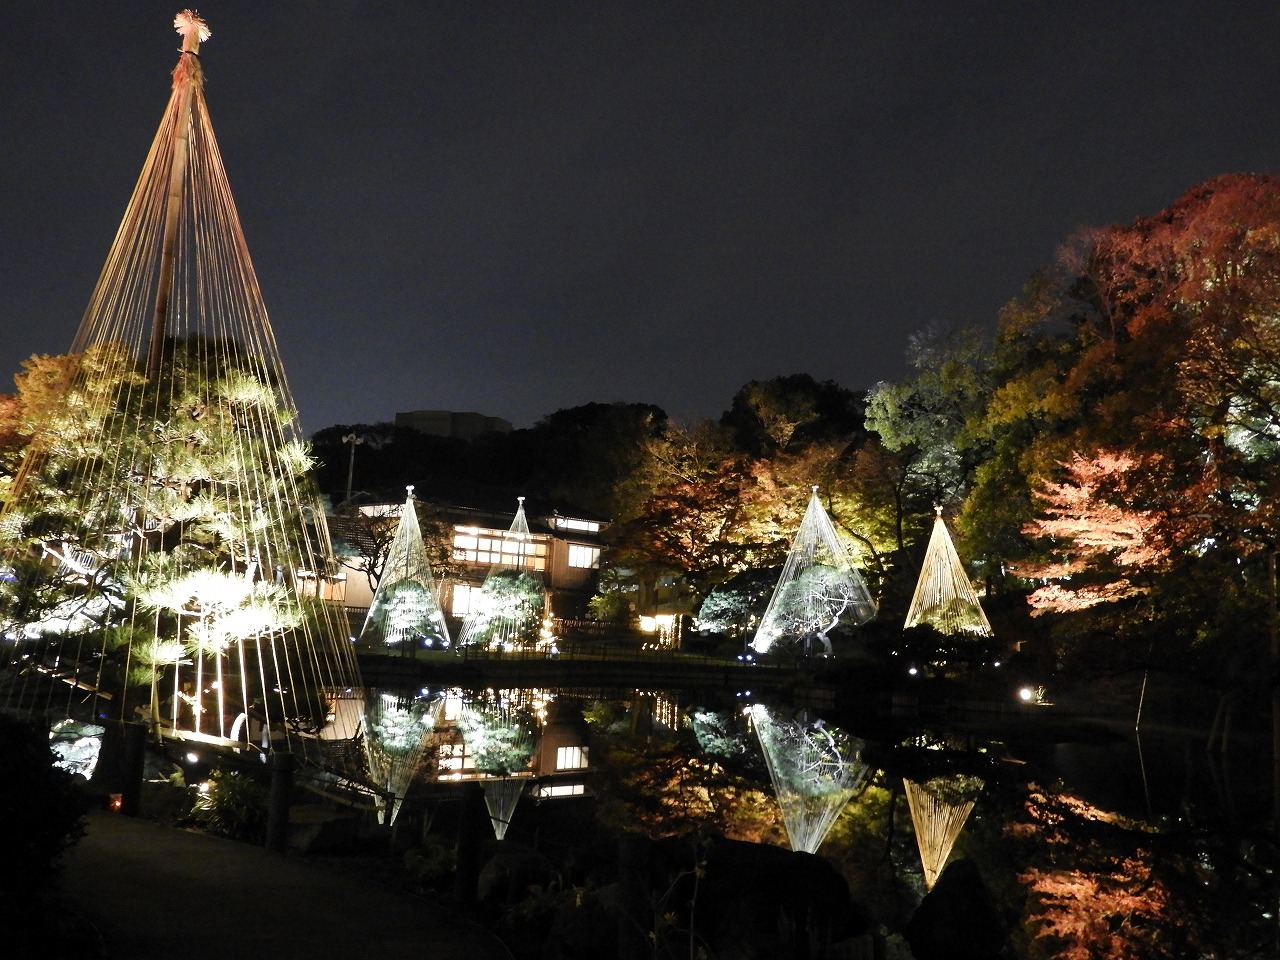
(352, 535)
(489, 512)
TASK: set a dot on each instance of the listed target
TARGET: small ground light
(1025, 694)
(912, 671)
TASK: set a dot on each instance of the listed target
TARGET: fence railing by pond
(607, 651)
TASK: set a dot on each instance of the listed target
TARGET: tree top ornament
(193, 30)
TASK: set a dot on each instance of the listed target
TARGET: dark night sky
(517, 207)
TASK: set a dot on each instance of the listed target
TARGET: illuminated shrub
(233, 805)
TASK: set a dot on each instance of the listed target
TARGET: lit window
(583, 557)
(511, 550)
(464, 598)
(571, 758)
(453, 704)
(453, 757)
(568, 523)
(562, 790)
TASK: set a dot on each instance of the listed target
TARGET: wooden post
(471, 820)
(282, 767)
(135, 735)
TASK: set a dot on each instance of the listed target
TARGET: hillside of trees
(1107, 453)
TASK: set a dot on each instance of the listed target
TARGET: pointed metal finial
(193, 30)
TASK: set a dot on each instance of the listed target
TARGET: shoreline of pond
(1083, 709)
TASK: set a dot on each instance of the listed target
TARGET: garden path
(156, 891)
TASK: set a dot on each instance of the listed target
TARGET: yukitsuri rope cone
(944, 598)
(819, 588)
(405, 613)
(501, 738)
(501, 797)
(167, 556)
(815, 770)
(396, 734)
(509, 611)
(939, 809)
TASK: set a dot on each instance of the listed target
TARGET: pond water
(1088, 839)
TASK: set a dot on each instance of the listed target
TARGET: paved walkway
(156, 891)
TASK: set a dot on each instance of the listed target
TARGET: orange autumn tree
(1132, 430)
(1102, 549)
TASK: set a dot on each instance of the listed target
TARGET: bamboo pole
(187, 76)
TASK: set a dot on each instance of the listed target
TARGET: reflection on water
(939, 808)
(815, 769)
(1079, 836)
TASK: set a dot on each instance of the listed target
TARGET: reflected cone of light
(396, 735)
(815, 770)
(939, 809)
(501, 798)
(500, 736)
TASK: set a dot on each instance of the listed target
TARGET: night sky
(517, 207)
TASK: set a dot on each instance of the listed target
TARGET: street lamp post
(352, 439)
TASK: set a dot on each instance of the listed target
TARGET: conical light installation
(944, 598)
(815, 769)
(500, 738)
(405, 612)
(939, 809)
(501, 797)
(819, 588)
(509, 611)
(397, 731)
(165, 552)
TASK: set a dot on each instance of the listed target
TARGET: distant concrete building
(450, 423)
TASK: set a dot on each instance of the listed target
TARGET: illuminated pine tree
(405, 612)
(164, 547)
(397, 732)
(509, 609)
(500, 738)
(819, 588)
(944, 597)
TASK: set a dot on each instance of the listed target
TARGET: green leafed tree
(138, 524)
(500, 738)
(508, 611)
